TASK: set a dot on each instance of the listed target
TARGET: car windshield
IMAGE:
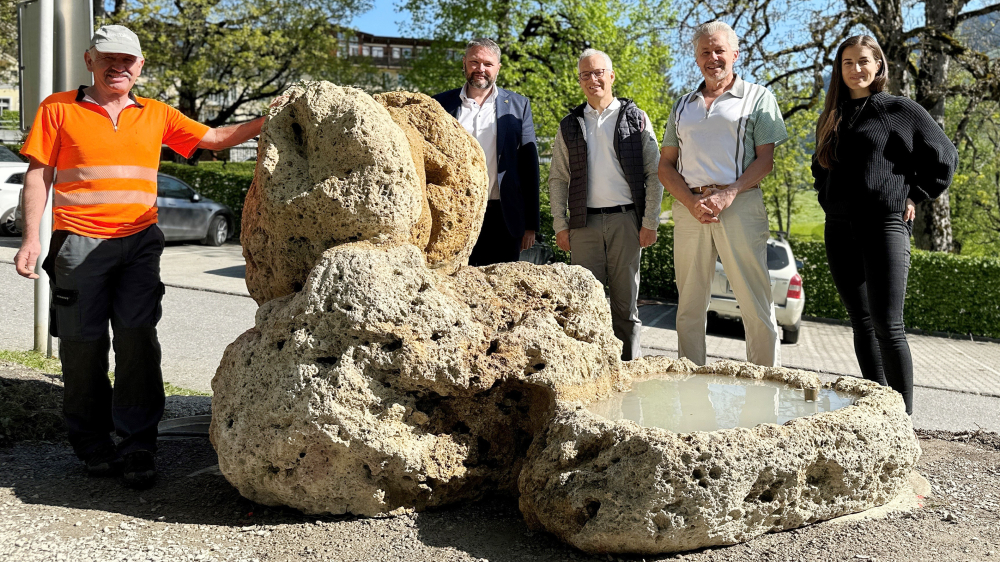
(7, 156)
(777, 257)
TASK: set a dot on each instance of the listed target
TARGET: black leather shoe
(140, 470)
(105, 461)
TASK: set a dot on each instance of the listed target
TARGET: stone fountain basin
(616, 487)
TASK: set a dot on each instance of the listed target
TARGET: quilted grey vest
(628, 149)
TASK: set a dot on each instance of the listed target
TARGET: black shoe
(105, 461)
(140, 470)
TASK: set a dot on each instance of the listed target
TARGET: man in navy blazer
(501, 121)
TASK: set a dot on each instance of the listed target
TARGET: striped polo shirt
(105, 182)
(716, 145)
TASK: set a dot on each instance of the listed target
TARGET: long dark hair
(829, 120)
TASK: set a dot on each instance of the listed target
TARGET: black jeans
(869, 259)
(495, 244)
(94, 282)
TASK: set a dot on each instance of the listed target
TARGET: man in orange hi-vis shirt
(99, 148)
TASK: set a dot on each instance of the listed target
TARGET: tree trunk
(932, 226)
(888, 32)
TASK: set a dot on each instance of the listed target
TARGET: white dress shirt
(606, 184)
(481, 123)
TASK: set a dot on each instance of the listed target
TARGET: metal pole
(43, 341)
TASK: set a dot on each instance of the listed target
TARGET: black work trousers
(869, 259)
(96, 281)
(495, 244)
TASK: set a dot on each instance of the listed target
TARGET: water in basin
(685, 403)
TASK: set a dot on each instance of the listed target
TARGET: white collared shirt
(717, 144)
(481, 123)
(606, 183)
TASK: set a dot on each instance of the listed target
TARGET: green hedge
(225, 182)
(945, 292)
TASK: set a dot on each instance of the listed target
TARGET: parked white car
(11, 181)
(786, 290)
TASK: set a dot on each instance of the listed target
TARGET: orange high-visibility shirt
(105, 183)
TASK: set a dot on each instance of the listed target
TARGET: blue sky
(381, 20)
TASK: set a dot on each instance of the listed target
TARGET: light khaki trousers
(609, 247)
(740, 239)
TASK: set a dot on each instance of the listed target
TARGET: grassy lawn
(807, 219)
(38, 361)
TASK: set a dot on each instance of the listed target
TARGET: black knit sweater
(889, 148)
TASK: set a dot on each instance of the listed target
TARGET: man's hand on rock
(562, 240)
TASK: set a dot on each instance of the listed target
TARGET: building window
(377, 52)
(366, 51)
(407, 53)
(395, 52)
(5, 104)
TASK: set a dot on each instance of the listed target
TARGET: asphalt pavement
(206, 306)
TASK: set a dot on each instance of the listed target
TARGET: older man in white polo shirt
(718, 146)
(604, 191)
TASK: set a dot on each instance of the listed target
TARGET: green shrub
(822, 299)
(656, 270)
(225, 182)
(945, 292)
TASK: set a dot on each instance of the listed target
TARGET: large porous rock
(613, 486)
(457, 181)
(333, 168)
(384, 385)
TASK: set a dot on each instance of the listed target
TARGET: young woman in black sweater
(877, 155)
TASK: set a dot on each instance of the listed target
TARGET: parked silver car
(184, 215)
(786, 290)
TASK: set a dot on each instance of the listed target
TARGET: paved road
(957, 381)
(197, 325)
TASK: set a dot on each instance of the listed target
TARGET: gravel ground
(50, 510)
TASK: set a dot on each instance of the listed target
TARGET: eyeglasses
(586, 74)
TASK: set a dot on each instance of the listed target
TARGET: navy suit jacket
(517, 155)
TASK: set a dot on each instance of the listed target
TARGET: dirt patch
(50, 510)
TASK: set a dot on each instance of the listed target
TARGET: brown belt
(704, 188)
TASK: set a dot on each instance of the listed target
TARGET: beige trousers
(740, 239)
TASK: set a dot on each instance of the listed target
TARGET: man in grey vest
(604, 191)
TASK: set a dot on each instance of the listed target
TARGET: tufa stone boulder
(333, 168)
(384, 385)
(457, 183)
(613, 486)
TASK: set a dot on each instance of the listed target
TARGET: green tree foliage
(212, 58)
(8, 36)
(975, 190)
(541, 43)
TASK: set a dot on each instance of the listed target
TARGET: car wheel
(790, 334)
(8, 226)
(218, 231)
